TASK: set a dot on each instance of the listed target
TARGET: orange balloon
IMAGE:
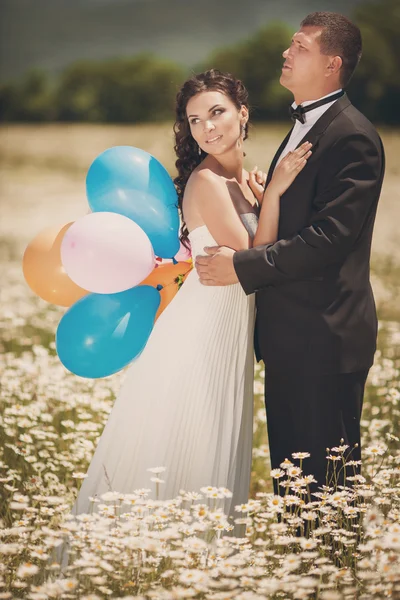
(168, 276)
(43, 269)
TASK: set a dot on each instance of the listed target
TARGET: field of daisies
(134, 546)
(342, 543)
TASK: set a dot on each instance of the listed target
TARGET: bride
(186, 404)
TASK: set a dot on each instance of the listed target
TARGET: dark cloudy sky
(51, 34)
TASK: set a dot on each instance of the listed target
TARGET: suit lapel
(276, 157)
(316, 131)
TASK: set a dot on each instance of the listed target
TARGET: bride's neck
(230, 164)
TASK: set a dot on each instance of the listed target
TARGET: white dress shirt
(300, 129)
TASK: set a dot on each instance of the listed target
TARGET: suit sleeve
(349, 188)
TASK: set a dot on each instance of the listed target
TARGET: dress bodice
(201, 236)
(250, 221)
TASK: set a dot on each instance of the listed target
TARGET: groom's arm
(351, 186)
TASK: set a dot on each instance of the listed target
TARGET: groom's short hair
(339, 37)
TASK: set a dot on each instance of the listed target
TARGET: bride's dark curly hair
(186, 147)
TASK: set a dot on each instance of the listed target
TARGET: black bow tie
(299, 112)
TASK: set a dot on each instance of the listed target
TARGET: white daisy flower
(301, 455)
(375, 450)
(27, 570)
(277, 473)
(157, 470)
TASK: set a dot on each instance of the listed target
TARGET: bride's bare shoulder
(202, 177)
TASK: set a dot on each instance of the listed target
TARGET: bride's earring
(243, 131)
(199, 150)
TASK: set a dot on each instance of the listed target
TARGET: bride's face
(215, 122)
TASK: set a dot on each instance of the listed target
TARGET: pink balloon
(106, 253)
(183, 253)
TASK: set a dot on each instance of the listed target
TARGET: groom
(316, 321)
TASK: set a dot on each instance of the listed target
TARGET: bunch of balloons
(108, 267)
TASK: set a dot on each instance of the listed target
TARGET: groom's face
(304, 67)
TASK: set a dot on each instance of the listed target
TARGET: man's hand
(217, 268)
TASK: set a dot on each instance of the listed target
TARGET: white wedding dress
(186, 402)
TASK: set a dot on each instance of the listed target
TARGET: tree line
(143, 88)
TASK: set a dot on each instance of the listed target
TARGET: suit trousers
(310, 413)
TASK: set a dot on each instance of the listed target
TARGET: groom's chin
(284, 80)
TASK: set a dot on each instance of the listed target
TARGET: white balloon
(106, 253)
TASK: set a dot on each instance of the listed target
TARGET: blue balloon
(131, 182)
(101, 333)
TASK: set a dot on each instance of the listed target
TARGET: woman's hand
(256, 183)
(289, 167)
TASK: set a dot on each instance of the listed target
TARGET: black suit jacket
(315, 307)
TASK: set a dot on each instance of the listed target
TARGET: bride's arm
(208, 193)
(284, 175)
(268, 222)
